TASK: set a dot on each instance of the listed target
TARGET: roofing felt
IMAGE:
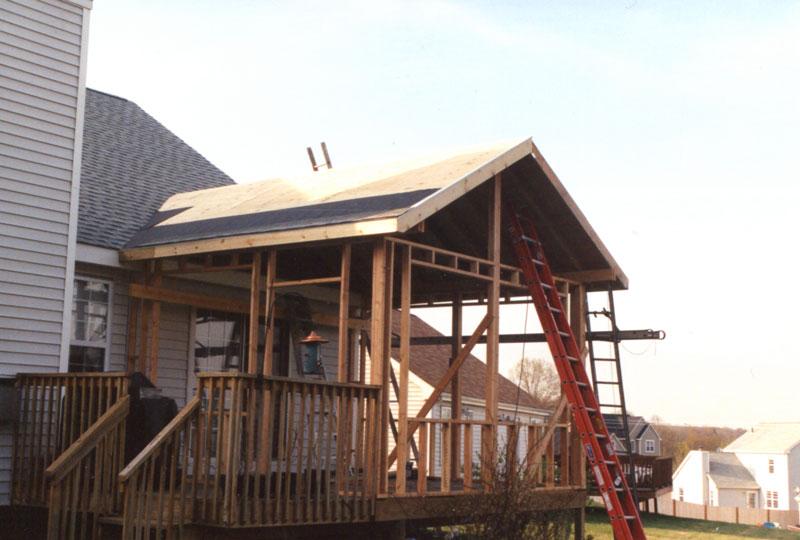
(778, 437)
(430, 362)
(728, 472)
(131, 164)
(329, 197)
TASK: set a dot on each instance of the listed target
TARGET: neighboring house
(645, 440)
(760, 469)
(427, 365)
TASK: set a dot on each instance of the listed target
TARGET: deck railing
(511, 449)
(83, 480)
(251, 451)
(55, 410)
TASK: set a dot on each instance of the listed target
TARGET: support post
(133, 322)
(269, 312)
(155, 322)
(489, 434)
(255, 310)
(381, 347)
(405, 358)
(455, 385)
(344, 371)
(577, 323)
(144, 322)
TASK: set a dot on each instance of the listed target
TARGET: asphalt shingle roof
(728, 472)
(131, 164)
(778, 437)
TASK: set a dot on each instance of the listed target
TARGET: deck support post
(345, 372)
(455, 385)
(577, 309)
(255, 309)
(489, 433)
(382, 262)
(269, 312)
(405, 358)
(155, 324)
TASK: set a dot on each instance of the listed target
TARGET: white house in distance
(760, 469)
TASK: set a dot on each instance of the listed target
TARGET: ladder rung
(555, 309)
(563, 334)
(590, 409)
(529, 240)
(630, 517)
(572, 359)
(582, 384)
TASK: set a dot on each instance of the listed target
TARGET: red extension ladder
(594, 435)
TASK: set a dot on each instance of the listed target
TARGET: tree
(539, 378)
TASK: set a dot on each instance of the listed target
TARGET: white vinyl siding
(40, 84)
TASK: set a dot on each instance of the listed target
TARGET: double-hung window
(89, 340)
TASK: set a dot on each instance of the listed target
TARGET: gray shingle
(728, 472)
(131, 164)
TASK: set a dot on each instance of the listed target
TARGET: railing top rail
(89, 439)
(159, 439)
(82, 375)
(250, 376)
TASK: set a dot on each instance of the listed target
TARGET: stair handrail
(82, 479)
(159, 440)
(153, 473)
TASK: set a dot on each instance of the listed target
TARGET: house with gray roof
(760, 469)
(645, 440)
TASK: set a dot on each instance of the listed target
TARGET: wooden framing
(255, 310)
(488, 433)
(405, 359)
(345, 373)
(455, 383)
(269, 315)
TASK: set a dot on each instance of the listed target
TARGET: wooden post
(455, 385)
(405, 357)
(577, 323)
(344, 315)
(489, 433)
(255, 310)
(133, 322)
(269, 340)
(144, 323)
(381, 347)
(156, 327)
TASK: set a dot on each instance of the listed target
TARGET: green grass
(660, 527)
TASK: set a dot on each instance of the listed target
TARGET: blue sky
(674, 125)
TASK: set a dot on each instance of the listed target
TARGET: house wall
(43, 86)
(731, 498)
(793, 464)
(692, 477)
(758, 465)
(649, 435)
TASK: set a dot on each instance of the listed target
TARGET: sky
(674, 126)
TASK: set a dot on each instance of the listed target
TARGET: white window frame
(649, 446)
(772, 499)
(109, 320)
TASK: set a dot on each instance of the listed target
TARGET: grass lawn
(660, 527)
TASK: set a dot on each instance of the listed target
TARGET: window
(751, 499)
(649, 446)
(772, 499)
(711, 497)
(219, 341)
(771, 466)
(90, 312)
(680, 494)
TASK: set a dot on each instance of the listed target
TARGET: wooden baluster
(357, 462)
(249, 508)
(329, 413)
(269, 405)
(467, 457)
(280, 461)
(422, 458)
(446, 456)
(307, 512)
(300, 438)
